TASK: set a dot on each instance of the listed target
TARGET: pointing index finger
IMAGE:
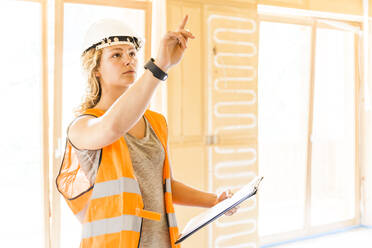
(183, 24)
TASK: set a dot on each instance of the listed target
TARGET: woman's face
(118, 65)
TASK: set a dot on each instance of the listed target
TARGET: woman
(115, 175)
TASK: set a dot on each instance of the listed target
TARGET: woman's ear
(96, 73)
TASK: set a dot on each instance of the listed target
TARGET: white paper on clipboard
(219, 209)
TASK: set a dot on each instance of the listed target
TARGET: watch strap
(156, 71)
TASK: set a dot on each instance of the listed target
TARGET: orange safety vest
(112, 208)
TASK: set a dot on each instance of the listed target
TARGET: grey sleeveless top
(147, 155)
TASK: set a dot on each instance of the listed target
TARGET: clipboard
(219, 209)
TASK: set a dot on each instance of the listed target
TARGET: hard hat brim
(117, 40)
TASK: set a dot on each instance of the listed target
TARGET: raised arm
(94, 133)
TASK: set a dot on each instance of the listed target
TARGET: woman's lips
(129, 72)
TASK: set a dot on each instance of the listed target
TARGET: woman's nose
(129, 60)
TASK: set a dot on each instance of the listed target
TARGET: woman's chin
(129, 79)
(127, 83)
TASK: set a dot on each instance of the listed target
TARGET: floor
(355, 238)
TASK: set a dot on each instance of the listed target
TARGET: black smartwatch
(156, 71)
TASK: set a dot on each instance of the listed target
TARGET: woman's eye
(116, 55)
(132, 54)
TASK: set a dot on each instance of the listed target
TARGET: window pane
(333, 154)
(20, 143)
(283, 85)
(78, 18)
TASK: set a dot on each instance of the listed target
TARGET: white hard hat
(109, 32)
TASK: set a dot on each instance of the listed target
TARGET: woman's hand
(223, 196)
(172, 46)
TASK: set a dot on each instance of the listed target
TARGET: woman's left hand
(223, 196)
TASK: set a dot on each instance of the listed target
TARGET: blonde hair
(90, 61)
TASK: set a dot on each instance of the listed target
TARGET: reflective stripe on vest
(115, 187)
(168, 187)
(112, 225)
(172, 220)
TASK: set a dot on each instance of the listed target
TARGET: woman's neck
(109, 96)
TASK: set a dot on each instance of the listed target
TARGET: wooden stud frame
(311, 230)
(310, 129)
(45, 124)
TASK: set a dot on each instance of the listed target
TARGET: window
(333, 139)
(21, 148)
(77, 19)
(307, 128)
(283, 104)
